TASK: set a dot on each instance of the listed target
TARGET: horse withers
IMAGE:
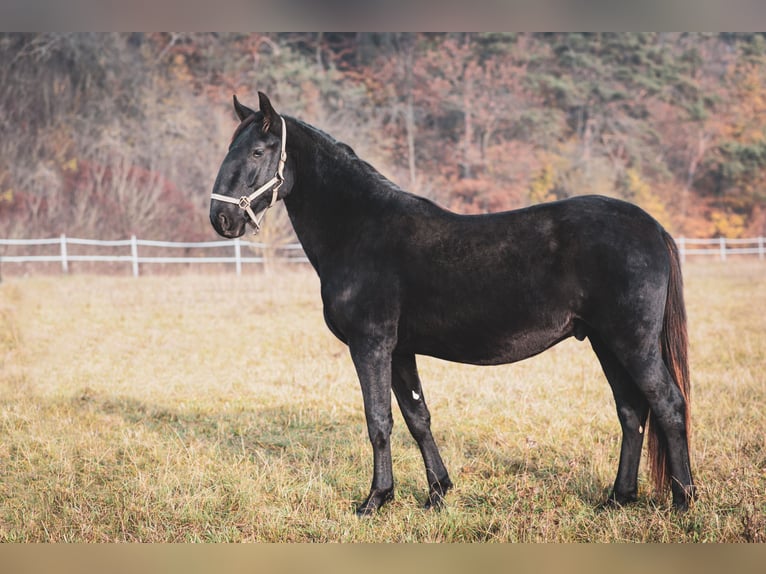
(401, 277)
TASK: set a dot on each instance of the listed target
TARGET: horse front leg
(372, 360)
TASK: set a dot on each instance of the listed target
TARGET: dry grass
(217, 408)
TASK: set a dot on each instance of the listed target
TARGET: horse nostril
(224, 223)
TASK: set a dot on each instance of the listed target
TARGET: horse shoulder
(363, 301)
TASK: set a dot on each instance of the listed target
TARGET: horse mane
(347, 153)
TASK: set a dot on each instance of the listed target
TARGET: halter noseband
(273, 184)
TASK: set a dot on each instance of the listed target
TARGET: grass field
(220, 408)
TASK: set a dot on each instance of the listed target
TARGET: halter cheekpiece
(272, 185)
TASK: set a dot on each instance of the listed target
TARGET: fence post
(64, 262)
(723, 248)
(134, 254)
(682, 248)
(238, 255)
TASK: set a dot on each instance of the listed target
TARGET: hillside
(104, 135)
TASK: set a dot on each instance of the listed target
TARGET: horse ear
(242, 111)
(270, 116)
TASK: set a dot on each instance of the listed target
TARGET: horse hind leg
(632, 411)
(667, 426)
(641, 361)
(409, 394)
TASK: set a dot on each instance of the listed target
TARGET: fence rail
(287, 253)
(720, 248)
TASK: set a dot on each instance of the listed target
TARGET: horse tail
(674, 342)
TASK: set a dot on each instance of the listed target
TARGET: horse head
(252, 176)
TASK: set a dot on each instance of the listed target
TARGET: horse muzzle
(228, 226)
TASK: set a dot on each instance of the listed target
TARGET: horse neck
(333, 192)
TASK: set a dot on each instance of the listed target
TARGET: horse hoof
(435, 502)
(618, 501)
(375, 500)
(366, 510)
(436, 494)
(681, 505)
(682, 497)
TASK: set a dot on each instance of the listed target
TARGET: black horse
(401, 276)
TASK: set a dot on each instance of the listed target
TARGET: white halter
(273, 184)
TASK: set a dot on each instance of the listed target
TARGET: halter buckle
(244, 202)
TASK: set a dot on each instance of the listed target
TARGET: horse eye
(257, 152)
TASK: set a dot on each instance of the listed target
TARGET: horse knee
(379, 431)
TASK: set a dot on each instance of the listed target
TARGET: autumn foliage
(104, 135)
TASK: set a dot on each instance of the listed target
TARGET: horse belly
(489, 346)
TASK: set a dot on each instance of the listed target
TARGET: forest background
(107, 135)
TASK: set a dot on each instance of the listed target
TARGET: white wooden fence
(288, 253)
(719, 248)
